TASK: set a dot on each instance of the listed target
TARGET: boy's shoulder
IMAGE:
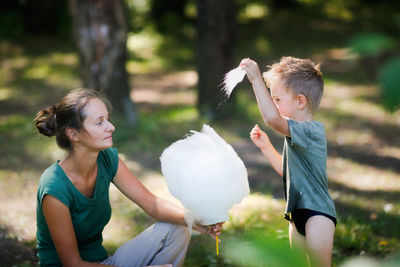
(307, 126)
(303, 133)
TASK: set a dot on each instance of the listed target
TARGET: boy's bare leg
(320, 233)
(297, 241)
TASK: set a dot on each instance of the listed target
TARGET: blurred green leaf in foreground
(259, 249)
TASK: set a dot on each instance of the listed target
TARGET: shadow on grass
(363, 224)
(14, 252)
(364, 156)
(383, 224)
(20, 145)
(383, 195)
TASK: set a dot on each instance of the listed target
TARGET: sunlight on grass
(5, 94)
(30, 78)
(338, 10)
(169, 98)
(372, 206)
(57, 69)
(68, 59)
(253, 11)
(353, 137)
(388, 151)
(361, 176)
(353, 117)
(18, 206)
(260, 211)
(362, 102)
(37, 72)
(10, 68)
(143, 46)
(364, 110)
(56, 64)
(144, 43)
(166, 82)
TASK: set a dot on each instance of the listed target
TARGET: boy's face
(283, 98)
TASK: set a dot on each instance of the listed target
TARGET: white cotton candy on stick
(231, 79)
(206, 175)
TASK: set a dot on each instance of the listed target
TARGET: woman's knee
(174, 232)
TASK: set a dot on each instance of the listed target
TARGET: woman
(73, 199)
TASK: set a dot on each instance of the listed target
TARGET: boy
(296, 88)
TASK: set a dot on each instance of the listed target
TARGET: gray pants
(161, 243)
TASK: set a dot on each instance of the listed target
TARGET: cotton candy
(206, 175)
(231, 79)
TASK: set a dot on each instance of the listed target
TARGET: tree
(100, 30)
(215, 38)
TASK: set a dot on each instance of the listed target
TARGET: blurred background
(161, 63)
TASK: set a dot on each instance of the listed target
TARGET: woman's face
(97, 129)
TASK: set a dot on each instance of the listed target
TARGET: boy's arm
(261, 140)
(269, 111)
(274, 158)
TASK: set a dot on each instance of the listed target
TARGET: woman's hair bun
(46, 121)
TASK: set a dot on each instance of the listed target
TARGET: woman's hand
(259, 138)
(251, 68)
(213, 230)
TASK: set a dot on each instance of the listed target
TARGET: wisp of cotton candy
(206, 175)
(231, 79)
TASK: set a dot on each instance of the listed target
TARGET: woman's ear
(72, 134)
(301, 101)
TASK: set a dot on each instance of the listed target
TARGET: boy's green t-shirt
(304, 168)
(89, 215)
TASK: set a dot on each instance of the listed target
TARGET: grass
(363, 146)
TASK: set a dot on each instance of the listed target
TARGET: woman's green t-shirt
(89, 215)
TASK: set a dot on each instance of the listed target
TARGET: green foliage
(389, 79)
(353, 237)
(374, 46)
(260, 249)
(371, 44)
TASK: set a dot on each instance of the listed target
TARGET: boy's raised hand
(251, 68)
(259, 137)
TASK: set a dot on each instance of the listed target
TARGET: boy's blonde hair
(301, 76)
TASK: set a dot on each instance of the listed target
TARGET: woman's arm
(158, 208)
(261, 140)
(59, 222)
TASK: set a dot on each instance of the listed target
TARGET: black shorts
(301, 216)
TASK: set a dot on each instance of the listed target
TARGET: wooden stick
(216, 241)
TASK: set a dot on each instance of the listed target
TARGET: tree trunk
(100, 29)
(215, 32)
